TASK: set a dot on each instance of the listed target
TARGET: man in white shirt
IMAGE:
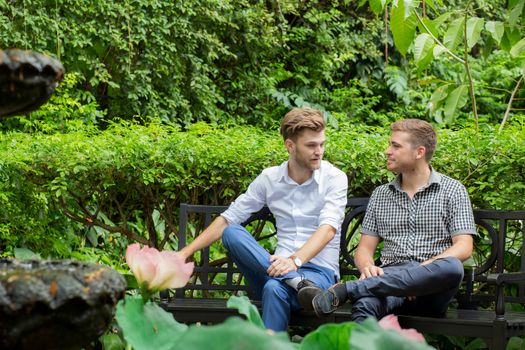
(307, 197)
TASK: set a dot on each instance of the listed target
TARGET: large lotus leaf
(147, 326)
(233, 334)
(247, 309)
(329, 336)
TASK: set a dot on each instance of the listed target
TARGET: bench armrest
(500, 279)
(506, 277)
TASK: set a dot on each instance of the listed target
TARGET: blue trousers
(433, 285)
(278, 299)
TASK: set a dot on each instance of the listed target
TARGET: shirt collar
(283, 175)
(435, 178)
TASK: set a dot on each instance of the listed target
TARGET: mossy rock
(27, 80)
(56, 304)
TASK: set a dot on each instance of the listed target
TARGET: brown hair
(421, 134)
(298, 119)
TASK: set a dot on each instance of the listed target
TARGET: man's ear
(290, 145)
(421, 152)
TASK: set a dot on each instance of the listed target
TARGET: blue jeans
(434, 285)
(278, 298)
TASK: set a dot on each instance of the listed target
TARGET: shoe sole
(306, 296)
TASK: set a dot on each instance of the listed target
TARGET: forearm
(461, 249)
(211, 234)
(363, 258)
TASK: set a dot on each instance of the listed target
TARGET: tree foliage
(188, 61)
(466, 33)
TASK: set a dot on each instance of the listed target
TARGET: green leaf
(247, 309)
(377, 6)
(92, 236)
(513, 35)
(431, 4)
(430, 26)
(438, 22)
(147, 326)
(515, 12)
(233, 334)
(423, 45)
(112, 342)
(518, 48)
(329, 336)
(25, 254)
(454, 33)
(131, 280)
(455, 100)
(474, 27)
(437, 98)
(403, 28)
(438, 50)
(409, 6)
(396, 80)
(496, 29)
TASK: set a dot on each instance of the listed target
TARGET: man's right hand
(370, 271)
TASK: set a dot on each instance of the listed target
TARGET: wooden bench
(497, 276)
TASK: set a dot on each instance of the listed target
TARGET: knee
(230, 235)
(453, 269)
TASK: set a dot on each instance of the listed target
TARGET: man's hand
(370, 271)
(280, 266)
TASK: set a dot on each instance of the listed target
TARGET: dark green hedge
(129, 180)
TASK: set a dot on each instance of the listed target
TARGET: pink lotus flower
(391, 322)
(159, 270)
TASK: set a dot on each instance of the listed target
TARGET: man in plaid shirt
(426, 222)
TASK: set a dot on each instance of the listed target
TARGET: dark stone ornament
(56, 304)
(27, 80)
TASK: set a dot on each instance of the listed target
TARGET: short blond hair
(422, 133)
(299, 119)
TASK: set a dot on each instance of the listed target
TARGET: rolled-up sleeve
(369, 225)
(461, 215)
(247, 203)
(333, 211)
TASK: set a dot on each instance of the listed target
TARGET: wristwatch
(298, 262)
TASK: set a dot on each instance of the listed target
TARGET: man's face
(401, 154)
(307, 151)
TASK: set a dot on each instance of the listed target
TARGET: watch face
(297, 262)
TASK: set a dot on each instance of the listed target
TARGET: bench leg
(499, 336)
(497, 343)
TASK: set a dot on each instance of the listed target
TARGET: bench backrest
(498, 248)
(217, 274)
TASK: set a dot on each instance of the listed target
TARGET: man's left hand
(280, 265)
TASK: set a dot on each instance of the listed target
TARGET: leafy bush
(126, 183)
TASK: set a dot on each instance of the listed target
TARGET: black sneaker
(306, 291)
(329, 300)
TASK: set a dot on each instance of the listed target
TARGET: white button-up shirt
(299, 210)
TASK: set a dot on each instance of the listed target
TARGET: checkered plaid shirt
(421, 227)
